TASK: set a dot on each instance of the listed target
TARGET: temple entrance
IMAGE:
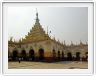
(41, 54)
(31, 55)
(62, 55)
(15, 55)
(23, 55)
(77, 56)
(69, 56)
(54, 54)
(58, 55)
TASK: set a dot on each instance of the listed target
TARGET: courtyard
(44, 65)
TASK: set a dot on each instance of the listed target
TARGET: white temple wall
(48, 47)
(45, 45)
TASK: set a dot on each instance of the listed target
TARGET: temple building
(39, 46)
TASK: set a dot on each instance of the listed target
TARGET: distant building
(38, 46)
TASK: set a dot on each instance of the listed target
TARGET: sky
(65, 23)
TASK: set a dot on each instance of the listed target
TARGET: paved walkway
(43, 65)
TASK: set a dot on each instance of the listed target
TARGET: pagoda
(36, 34)
(39, 46)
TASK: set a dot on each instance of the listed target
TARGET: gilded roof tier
(36, 33)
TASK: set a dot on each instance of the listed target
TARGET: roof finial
(80, 42)
(64, 42)
(36, 14)
(37, 20)
(71, 43)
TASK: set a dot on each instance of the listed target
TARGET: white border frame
(95, 37)
(0, 37)
(46, 72)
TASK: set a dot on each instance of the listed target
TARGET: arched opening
(62, 55)
(59, 55)
(77, 56)
(8, 53)
(69, 56)
(31, 55)
(41, 54)
(86, 56)
(15, 55)
(23, 55)
(54, 54)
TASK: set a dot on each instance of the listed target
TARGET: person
(19, 60)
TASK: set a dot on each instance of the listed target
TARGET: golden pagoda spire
(36, 14)
(37, 19)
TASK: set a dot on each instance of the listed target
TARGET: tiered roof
(36, 33)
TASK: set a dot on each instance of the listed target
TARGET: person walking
(19, 60)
